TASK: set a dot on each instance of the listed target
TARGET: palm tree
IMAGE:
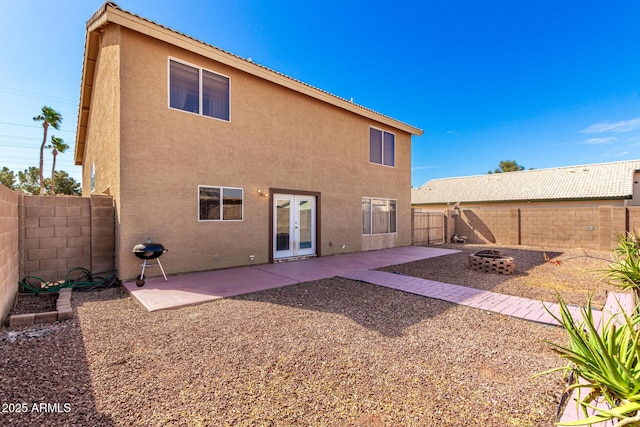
(58, 146)
(49, 117)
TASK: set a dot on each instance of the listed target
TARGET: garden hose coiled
(78, 278)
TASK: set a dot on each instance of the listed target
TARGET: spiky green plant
(624, 271)
(608, 360)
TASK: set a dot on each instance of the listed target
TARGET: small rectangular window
(215, 95)
(199, 91)
(375, 146)
(382, 147)
(184, 87)
(220, 204)
(232, 204)
(379, 216)
(388, 157)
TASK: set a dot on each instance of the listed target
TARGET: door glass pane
(305, 226)
(283, 218)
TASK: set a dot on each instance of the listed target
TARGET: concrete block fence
(9, 249)
(561, 227)
(46, 236)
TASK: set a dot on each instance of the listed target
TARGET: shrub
(608, 360)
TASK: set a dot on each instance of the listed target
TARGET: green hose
(78, 278)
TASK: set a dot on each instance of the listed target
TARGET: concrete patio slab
(196, 288)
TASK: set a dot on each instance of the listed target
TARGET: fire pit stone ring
(491, 261)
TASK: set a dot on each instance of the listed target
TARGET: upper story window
(382, 147)
(199, 91)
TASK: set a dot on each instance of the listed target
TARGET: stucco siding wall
(276, 138)
(9, 249)
(103, 132)
(102, 147)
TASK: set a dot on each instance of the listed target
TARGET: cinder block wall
(484, 225)
(633, 218)
(587, 227)
(60, 233)
(9, 249)
(560, 227)
(102, 233)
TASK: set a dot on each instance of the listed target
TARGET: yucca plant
(608, 360)
(625, 269)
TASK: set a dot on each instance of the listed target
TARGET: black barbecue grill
(148, 251)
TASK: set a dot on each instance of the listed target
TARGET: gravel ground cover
(32, 303)
(332, 352)
(574, 273)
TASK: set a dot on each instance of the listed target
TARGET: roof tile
(595, 181)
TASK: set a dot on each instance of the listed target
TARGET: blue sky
(544, 83)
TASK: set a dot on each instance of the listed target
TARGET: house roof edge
(110, 12)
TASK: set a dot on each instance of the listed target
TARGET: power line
(33, 126)
(35, 95)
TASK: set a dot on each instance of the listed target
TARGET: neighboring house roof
(110, 12)
(596, 181)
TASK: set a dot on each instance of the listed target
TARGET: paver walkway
(509, 305)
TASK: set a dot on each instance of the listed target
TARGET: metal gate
(428, 227)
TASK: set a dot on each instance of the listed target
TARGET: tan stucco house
(226, 162)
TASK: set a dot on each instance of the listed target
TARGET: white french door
(294, 225)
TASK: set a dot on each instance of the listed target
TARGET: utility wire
(34, 126)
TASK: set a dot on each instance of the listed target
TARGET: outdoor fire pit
(491, 261)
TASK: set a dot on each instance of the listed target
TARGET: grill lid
(149, 250)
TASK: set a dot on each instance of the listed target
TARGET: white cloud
(600, 141)
(621, 126)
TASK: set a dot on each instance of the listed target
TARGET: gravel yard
(332, 352)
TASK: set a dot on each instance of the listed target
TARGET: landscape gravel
(331, 352)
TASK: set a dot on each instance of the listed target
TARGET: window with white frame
(379, 216)
(382, 147)
(197, 90)
(220, 203)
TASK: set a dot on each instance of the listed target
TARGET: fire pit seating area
(491, 261)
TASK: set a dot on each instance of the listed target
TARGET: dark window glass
(375, 145)
(184, 87)
(389, 149)
(215, 95)
(209, 203)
